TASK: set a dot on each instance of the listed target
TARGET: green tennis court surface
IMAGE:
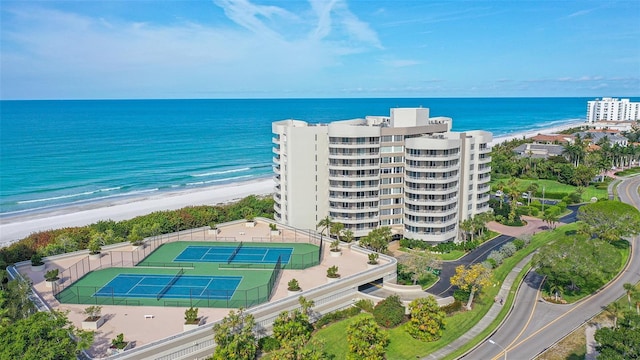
(194, 273)
(228, 254)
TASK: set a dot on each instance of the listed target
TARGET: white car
(499, 193)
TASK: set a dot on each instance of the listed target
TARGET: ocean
(59, 153)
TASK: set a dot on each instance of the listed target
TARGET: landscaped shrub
(365, 305)
(508, 249)
(492, 263)
(389, 312)
(496, 256)
(518, 243)
(455, 306)
(461, 295)
(268, 343)
(337, 316)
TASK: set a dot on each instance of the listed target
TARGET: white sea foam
(221, 172)
(218, 180)
(85, 193)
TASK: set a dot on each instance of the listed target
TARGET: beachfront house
(407, 171)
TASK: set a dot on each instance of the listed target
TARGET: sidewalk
(491, 315)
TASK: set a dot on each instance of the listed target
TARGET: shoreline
(17, 227)
(14, 228)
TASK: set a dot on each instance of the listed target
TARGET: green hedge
(58, 241)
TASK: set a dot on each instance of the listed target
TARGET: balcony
(424, 212)
(354, 155)
(432, 157)
(434, 202)
(352, 198)
(353, 166)
(337, 177)
(427, 191)
(350, 187)
(353, 219)
(431, 180)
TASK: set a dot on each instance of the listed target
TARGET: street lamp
(500, 346)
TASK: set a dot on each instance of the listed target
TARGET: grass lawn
(452, 255)
(632, 171)
(624, 249)
(403, 346)
(552, 186)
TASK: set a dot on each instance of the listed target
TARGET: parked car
(499, 193)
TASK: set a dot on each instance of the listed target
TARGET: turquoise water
(58, 153)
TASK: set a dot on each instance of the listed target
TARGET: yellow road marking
(633, 251)
(506, 349)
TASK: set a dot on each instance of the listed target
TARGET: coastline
(546, 130)
(20, 226)
(17, 227)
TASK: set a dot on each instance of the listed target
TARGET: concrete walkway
(491, 315)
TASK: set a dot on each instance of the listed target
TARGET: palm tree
(466, 226)
(324, 224)
(550, 218)
(629, 289)
(556, 289)
(336, 229)
(616, 310)
(531, 189)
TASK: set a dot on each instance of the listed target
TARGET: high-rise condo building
(406, 171)
(612, 109)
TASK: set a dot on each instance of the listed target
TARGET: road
(534, 325)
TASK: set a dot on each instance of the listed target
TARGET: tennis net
(168, 286)
(234, 253)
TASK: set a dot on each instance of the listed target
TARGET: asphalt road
(534, 325)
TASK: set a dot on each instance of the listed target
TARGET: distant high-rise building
(406, 171)
(612, 109)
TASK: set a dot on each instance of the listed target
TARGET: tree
(419, 265)
(467, 228)
(324, 224)
(389, 312)
(622, 342)
(235, 338)
(616, 310)
(17, 302)
(43, 335)
(610, 220)
(551, 216)
(629, 289)
(577, 264)
(336, 229)
(292, 326)
(293, 331)
(377, 239)
(366, 340)
(555, 288)
(471, 279)
(427, 320)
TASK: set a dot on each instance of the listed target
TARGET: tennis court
(235, 254)
(191, 273)
(167, 286)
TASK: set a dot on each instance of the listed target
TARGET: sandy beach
(17, 227)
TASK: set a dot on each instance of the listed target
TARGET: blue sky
(320, 48)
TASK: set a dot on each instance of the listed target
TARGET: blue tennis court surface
(224, 254)
(184, 287)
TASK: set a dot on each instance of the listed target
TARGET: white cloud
(397, 63)
(47, 52)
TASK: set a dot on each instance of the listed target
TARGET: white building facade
(612, 109)
(406, 171)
